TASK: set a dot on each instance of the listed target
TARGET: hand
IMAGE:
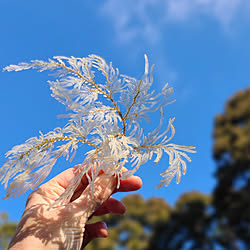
(66, 227)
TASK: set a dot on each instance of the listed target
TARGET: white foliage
(107, 116)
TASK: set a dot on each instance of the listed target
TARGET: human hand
(66, 227)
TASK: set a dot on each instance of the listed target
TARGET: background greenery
(196, 221)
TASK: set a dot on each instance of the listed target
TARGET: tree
(134, 229)
(154, 224)
(197, 220)
(187, 227)
(232, 153)
(7, 230)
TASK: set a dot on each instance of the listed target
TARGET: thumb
(104, 186)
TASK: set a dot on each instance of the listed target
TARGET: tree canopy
(7, 230)
(231, 198)
(197, 220)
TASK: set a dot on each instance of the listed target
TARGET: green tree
(232, 153)
(197, 224)
(197, 220)
(7, 230)
(153, 224)
(134, 229)
(187, 226)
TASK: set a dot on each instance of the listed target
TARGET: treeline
(196, 221)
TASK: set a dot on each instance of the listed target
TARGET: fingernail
(103, 230)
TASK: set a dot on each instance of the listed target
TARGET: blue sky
(201, 47)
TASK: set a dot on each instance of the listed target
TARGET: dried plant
(106, 111)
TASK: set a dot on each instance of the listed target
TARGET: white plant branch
(107, 115)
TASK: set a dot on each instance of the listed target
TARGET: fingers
(56, 186)
(64, 178)
(103, 187)
(132, 183)
(112, 205)
(94, 230)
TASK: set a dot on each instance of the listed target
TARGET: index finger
(132, 183)
(63, 179)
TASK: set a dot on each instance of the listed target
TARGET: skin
(66, 227)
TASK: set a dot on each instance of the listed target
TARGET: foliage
(232, 153)
(7, 230)
(196, 221)
(203, 222)
(187, 226)
(154, 224)
(232, 130)
(199, 221)
(106, 112)
(134, 229)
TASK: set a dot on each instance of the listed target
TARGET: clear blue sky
(200, 47)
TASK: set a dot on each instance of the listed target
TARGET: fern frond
(106, 110)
